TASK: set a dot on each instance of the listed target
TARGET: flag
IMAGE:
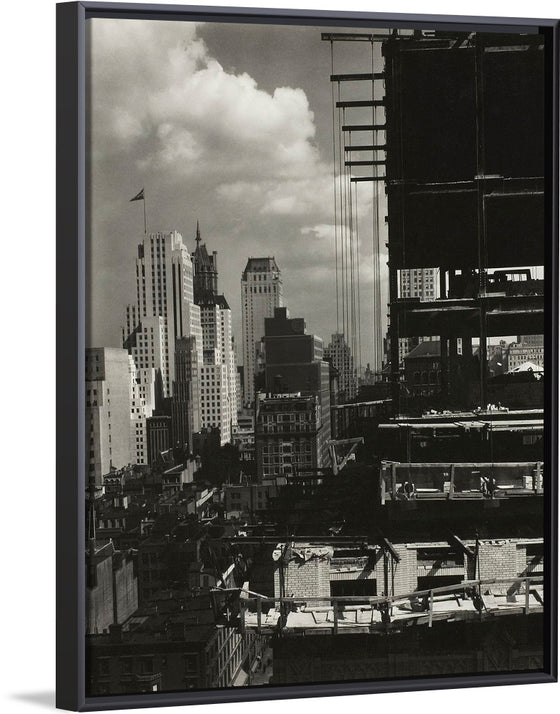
(139, 196)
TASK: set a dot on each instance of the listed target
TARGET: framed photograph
(307, 353)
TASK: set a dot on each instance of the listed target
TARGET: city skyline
(214, 134)
(220, 533)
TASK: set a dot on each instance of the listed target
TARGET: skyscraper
(142, 402)
(297, 375)
(165, 309)
(108, 412)
(261, 293)
(186, 397)
(340, 356)
(218, 371)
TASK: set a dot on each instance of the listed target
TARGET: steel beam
(361, 103)
(364, 127)
(359, 77)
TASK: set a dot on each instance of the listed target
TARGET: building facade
(422, 369)
(294, 364)
(111, 587)
(528, 348)
(218, 372)
(338, 353)
(185, 410)
(261, 293)
(288, 435)
(421, 283)
(108, 412)
(158, 436)
(175, 652)
(142, 403)
(165, 309)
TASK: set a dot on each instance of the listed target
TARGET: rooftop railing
(470, 599)
(415, 481)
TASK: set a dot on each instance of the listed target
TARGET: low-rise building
(521, 352)
(173, 651)
(245, 500)
(288, 434)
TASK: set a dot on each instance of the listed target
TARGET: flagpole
(141, 196)
(145, 223)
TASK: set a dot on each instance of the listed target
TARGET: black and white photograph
(315, 371)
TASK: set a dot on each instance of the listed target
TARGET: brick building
(172, 651)
(321, 570)
(289, 434)
(294, 364)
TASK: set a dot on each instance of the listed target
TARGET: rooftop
(425, 349)
(261, 265)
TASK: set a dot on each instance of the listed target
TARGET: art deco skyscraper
(165, 309)
(261, 293)
(339, 354)
(218, 372)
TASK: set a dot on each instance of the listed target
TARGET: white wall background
(27, 284)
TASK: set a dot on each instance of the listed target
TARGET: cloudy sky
(230, 125)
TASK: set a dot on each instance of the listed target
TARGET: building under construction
(425, 556)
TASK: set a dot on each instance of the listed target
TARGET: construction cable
(342, 233)
(334, 135)
(359, 353)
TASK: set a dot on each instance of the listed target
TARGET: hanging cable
(359, 354)
(377, 287)
(334, 135)
(374, 224)
(352, 313)
(346, 282)
(342, 233)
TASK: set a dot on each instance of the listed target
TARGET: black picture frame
(71, 271)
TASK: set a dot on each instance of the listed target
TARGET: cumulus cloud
(159, 88)
(248, 158)
(157, 93)
(308, 195)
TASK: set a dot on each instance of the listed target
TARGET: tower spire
(197, 233)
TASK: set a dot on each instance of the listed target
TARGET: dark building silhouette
(158, 435)
(294, 365)
(185, 418)
(176, 650)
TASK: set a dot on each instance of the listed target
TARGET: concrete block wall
(405, 573)
(498, 559)
(522, 560)
(305, 579)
